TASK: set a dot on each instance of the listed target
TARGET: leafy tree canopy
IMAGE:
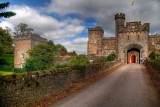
(41, 56)
(5, 42)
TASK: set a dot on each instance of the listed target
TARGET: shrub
(152, 55)
(34, 64)
(111, 57)
(79, 61)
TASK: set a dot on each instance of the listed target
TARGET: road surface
(128, 86)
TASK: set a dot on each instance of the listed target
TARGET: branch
(7, 14)
(4, 5)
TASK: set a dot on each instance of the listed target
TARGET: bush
(152, 55)
(34, 64)
(6, 62)
(154, 64)
(79, 61)
(60, 66)
(111, 57)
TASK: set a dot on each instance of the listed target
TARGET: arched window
(138, 37)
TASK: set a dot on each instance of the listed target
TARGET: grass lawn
(4, 73)
(6, 62)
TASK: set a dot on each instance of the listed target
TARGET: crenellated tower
(95, 38)
(119, 22)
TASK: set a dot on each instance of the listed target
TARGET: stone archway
(133, 49)
(133, 55)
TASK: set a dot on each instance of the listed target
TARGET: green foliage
(41, 57)
(4, 73)
(6, 14)
(60, 66)
(4, 5)
(57, 48)
(5, 42)
(154, 64)
(6, 62)
(152, 55)
(111, 57)
(79, 61)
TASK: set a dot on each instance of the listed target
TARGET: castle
(22, 45)
(131, 42)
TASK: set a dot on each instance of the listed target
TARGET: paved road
(129, 86)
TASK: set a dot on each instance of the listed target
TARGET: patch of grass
(4, 73)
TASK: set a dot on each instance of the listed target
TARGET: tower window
(138, 37)
(128, 37)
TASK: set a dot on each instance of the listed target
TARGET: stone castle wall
(154, 43)
(127, 35)
(109, 46)
(131, 39)
(21, 89)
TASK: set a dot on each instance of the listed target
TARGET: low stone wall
(21, 89)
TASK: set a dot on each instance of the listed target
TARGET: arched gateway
(131, 42)
(133, 53)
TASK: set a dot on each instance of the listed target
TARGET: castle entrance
(133, 59)
(133, 55)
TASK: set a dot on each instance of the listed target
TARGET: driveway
(128, 86)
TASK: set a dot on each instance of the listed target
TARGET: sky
(67, 21)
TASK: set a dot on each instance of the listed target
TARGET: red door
(133, 57)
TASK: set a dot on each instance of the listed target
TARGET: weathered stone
(130, 36)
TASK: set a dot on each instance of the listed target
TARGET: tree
(41, 57)
(22, 30)
(6, 14)
(5, 42)
(59, 48)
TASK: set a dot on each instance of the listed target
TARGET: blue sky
(67, 21)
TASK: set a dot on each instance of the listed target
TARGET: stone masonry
(131, 39)
(22, 45)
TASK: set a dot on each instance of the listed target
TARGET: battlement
(135, 27)
(97, 28)
(154, 36)
(31, 36)
(109, 38)
(119, 15)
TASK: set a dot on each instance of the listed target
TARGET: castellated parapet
(134, 27)
(131, 41)
(120, 16)
(22, 45)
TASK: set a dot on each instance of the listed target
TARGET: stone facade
(24, 44)
(131, 38)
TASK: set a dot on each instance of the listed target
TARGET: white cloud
(44, 25)
(104, 10)
(79, 45)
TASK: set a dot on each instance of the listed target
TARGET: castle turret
(95, 36)
(119, 22)
(22, 45)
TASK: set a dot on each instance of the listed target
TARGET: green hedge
(154, 64)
